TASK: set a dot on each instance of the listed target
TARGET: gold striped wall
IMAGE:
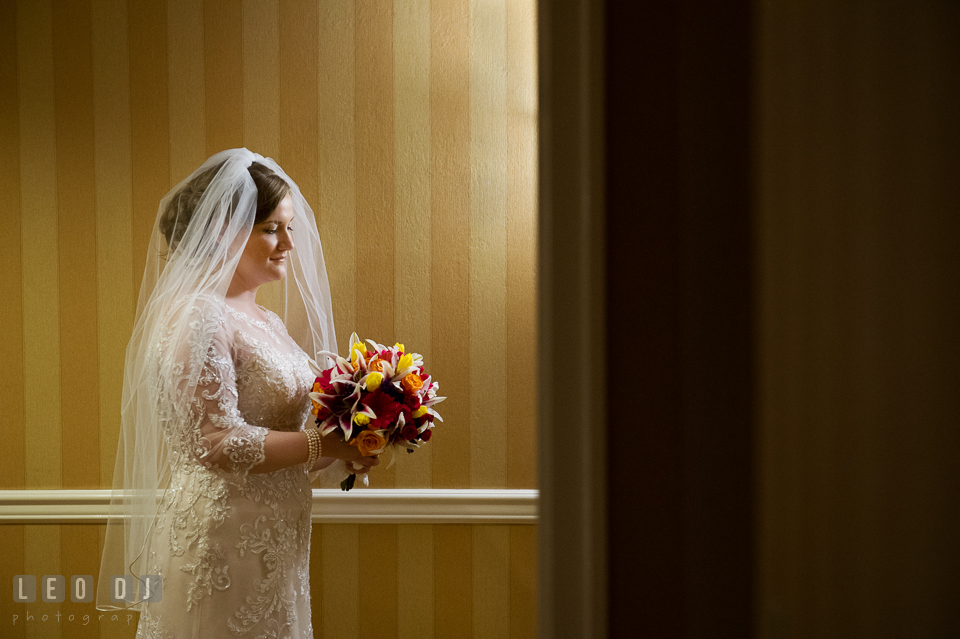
(410, 126)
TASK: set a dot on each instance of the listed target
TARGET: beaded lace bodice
(232, 546)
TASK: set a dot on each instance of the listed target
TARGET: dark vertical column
(718, 346)
(644, 333)
(679, 336)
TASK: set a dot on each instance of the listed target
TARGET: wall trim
(359, 506)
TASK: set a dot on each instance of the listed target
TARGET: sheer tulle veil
(179, 275)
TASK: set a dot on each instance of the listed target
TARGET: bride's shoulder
(201, 309)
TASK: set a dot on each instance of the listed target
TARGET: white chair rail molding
(367, 506)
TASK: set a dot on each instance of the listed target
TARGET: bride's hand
(334, 446)
(362, 465)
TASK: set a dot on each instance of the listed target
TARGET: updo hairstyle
(271, 189)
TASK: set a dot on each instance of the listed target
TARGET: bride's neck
(241, 296)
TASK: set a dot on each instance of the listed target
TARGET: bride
(209, 534)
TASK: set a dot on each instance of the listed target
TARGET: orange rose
(377, 366)
(368, 441)
(412, 383)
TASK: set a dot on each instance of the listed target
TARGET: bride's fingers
(363, 464)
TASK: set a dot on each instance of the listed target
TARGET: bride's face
(264, 258)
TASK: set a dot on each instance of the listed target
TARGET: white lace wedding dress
(233, 547)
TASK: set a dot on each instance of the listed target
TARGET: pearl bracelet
(314, 448)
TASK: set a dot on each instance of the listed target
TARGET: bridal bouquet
(379, 398)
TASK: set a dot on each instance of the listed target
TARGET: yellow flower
(361, 419)
(420, 412)
(373, 381)
(405, 362)
(398, 345)
(368, 441)
(356, 351)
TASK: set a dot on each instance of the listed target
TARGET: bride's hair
(271, 189)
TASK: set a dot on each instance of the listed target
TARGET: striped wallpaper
(411, 128)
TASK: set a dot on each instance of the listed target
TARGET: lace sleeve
(230, 441)
(205, 423)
